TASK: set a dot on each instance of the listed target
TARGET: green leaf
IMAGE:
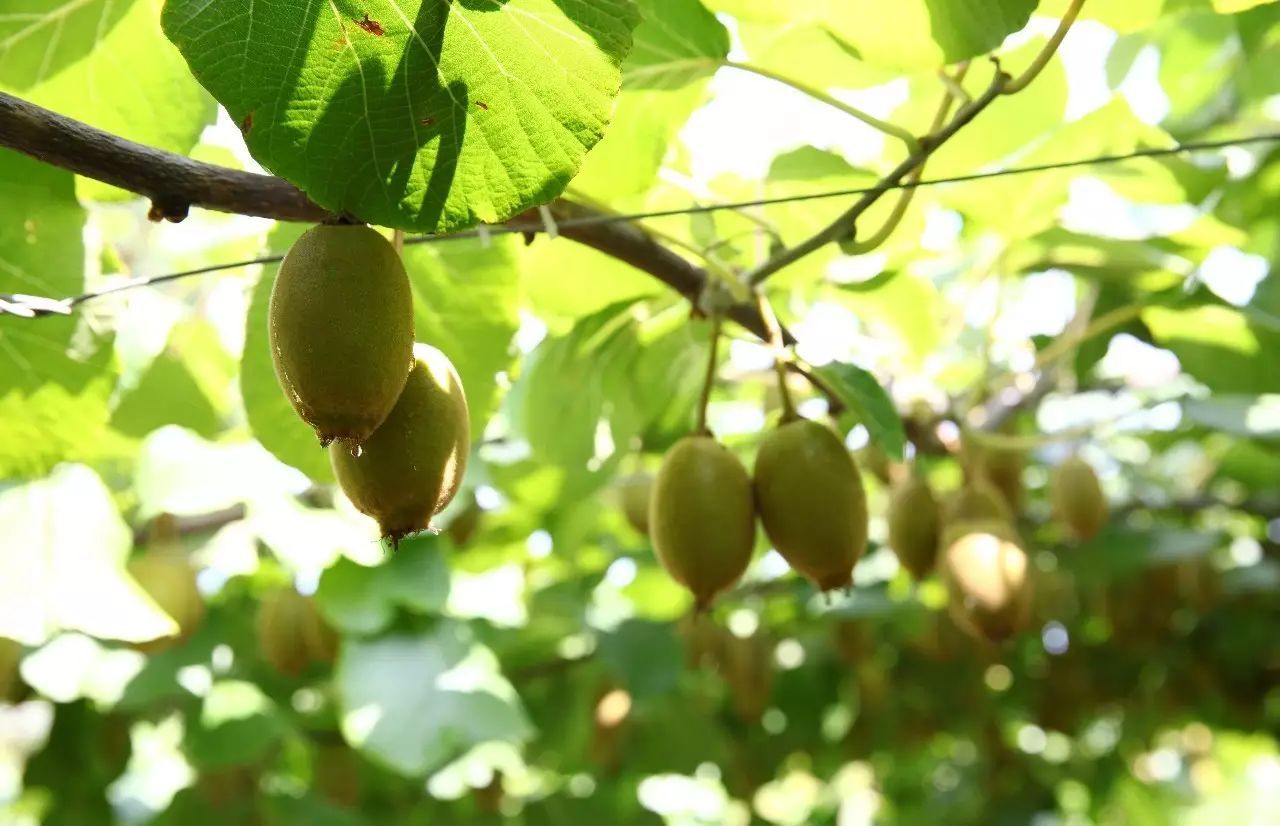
(1234, 6)
(238, 725)
(167, 394)
(466, 301)
(419, 115)
(415, 702)
(1221, 347)
(867, 399)
(363, 600)
(271, 417)
(573, 383)
(53, 391)
(105, 62)
(62, 564)
(1255, 417)
(645, 656)
(918, 34)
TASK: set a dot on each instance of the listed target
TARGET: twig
(709, 378)
(1046, 54)
(841, 228)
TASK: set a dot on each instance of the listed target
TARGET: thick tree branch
(175, 183)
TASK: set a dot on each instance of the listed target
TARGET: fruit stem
(709, 379)
(1046, 54)
(779, 356)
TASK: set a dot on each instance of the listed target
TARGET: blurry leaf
(918, 34)
(166, 394)
(867, 399)
(667, 377)
(908, 307)
(271, 417)
(646, 657)
(1122, 553)
(571, 383)
(415, 702)
(471, 113)
(1122, 17)
(564, 281)
(1220, 346)
(466, 302)
(1250, 416)
(62, 552)
(107, 63)
(237, 725)
(363, 600)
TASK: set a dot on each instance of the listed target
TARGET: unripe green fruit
(292, 634)
(811, 501)
(10, 659)
(701, 517)
(988, 579)
(341, 330)
(748, 667)
(169, 579)
(634, 492)
(411, 467)
(1077, 497)
(915, 522)
(978, 499)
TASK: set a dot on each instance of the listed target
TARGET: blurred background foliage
(532, 662)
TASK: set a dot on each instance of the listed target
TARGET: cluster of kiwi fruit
(392, 412)
(973, 542)
(700, 510)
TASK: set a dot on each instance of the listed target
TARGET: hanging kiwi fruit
(988, 578)
(1077, 498)
(340, 327)
(915, 524)
(291, 633)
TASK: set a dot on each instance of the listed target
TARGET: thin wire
(606, 219)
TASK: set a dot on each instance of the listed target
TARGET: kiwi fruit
(1001, 467)
(10, 658)
(748, 667)
(811, 501)
(701, 517)
(988, 579)
(167, 577)
(411, 467)
(291, 633)
(341, 330)
(978, 499)
(634, 491)
(915, 523)
(1077, 497)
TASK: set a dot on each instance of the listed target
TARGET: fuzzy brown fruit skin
(291, 633)
(702, 518)
(1077, 497)
(915, 525)
(169, 579)
(341, 330)
(634, 493)
(411, 467)
(811, 501)
(988, 577)
(977, 500)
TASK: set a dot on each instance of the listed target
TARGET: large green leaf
(361, 599)
(867, 399)
(678, 46)
(415, 702)
(62, 551)
(1250, 416)
(466, 301)
(915, 34)
(420, 115)
(53, 401)
(104, 62)
(1220, 346)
